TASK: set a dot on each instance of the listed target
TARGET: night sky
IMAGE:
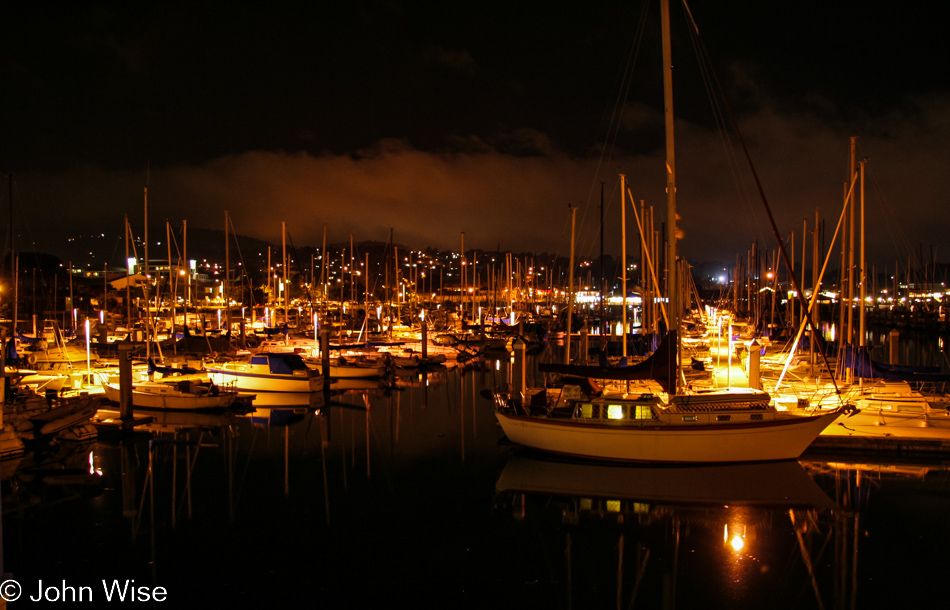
(432, 119)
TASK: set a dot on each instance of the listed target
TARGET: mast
(128, 280)
(863, 277)
(671, 291)
(148, 309)
(324, 278)
(850, 335)
(603, 286)
(13, 269)
(227, 270)
(570, 291)
(172, 287)
(283, 233)
(184, 255)
(623, 261)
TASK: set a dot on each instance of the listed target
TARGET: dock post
(754, 349)
(125, 381)
(519, 367)
(425, 339)
(325, 355)
(894, 341)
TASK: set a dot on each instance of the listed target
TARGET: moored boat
(267, 372)
(185, 394)
(717, 426)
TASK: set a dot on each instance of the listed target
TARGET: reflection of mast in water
(852, 485)
(176, 430)
(324, 441)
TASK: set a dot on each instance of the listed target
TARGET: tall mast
(672, 291)
(172, 283)
(148, 309)
(863, 276)
(603, 286)
(227, 270)
(570, 290)
(13, 277)
(623, 261)
(850, 335)
(184, 256)
(283, 233)
(128, 289)
(324, 278)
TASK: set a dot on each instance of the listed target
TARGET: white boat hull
(781, 439)
(166, 396)
(257, 382)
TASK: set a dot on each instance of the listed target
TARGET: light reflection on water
(391, 496)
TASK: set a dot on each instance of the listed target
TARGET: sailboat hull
(779, 439)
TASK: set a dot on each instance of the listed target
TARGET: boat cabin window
(616, 412)
(643, 412)
(570, 393)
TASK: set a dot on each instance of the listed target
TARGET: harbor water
(409, 496)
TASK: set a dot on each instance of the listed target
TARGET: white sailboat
(184, 394)
(268, 372)
(724, 425)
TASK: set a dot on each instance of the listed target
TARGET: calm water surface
(386, 498)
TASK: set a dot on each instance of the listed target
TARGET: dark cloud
(433, 119)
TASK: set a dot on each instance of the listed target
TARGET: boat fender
(31, 359)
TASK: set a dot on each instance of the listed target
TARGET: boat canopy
(660, 366)
(281, 364)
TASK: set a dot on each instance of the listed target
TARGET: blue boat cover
(282, 364)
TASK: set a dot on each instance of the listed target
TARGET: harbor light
(735, 536)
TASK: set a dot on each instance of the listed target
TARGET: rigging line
(725, 139)
(300, 269)
(778, 238)
(806, 317)
(893, 223)
(27, 256)
(244, 273)
(886, 209)
(592, 240)
(613, 128)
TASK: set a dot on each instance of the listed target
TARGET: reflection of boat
(45, 417)
(267, 372)
(700, 427)
(343, 385)
(781, 484)
(622, 535)
(341, 368)
(190, 394)
(277, 416)
(307, 400)
(172, 421)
